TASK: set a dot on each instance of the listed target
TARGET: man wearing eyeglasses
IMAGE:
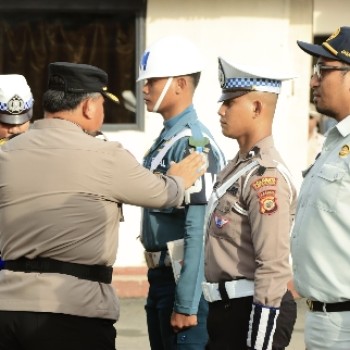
(321, 234)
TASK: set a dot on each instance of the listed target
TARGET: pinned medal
(199, 145)
(220, 222)
(344, 152)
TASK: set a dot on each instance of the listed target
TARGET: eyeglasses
(318, 68)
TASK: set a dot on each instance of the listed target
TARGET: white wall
(249, 31)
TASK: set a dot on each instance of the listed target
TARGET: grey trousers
(327, 330)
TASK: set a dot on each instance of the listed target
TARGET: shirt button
(183, 338)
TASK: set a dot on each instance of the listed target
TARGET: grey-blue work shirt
(321, 235)
(161, 226)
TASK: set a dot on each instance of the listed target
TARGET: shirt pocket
(225, 221)
(329, 181)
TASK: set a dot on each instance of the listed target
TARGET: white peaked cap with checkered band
(237, 79)
(16, 99)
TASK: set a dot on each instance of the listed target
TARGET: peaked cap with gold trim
(79, 78)
(336, 47)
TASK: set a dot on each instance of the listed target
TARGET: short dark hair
(195, 77)
(57, 101)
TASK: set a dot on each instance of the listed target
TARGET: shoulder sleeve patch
(268, 202)
(263, 182)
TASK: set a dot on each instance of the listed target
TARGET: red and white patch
(268, 202)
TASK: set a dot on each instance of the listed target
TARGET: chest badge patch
(344, 151)
(268, 202)
(220, 222)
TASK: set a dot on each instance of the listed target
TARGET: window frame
(138, 7)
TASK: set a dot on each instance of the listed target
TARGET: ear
(181, 83)
(88, 108)
(257, 108)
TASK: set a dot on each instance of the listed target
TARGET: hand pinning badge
(344, 151)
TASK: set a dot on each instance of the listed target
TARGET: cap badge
(334, 35)
(344, 152)
(221, 75)
(144, 59)
(15, 105)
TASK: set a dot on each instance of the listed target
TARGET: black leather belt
(332, 307)
(95, 273)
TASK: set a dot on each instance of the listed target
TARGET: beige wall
(266, 36)
(249, 31)
(329, 15)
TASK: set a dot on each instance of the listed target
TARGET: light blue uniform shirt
(321, 235)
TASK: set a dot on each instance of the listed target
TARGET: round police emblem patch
(268, 202)
(268, 205)
(15, 105)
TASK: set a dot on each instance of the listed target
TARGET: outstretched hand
(190, 168)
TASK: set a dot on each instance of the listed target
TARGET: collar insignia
(344, 151)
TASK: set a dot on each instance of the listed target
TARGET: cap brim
(16, 119)
(316, 50)
(227, 95)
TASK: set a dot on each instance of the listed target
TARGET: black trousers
(228, 323)
(49, 331)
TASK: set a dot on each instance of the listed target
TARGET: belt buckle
(210, 292)
(150, 260)
(310, 304)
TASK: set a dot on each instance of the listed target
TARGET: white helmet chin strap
(161, 96)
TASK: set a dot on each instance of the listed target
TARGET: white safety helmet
(170, 56)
